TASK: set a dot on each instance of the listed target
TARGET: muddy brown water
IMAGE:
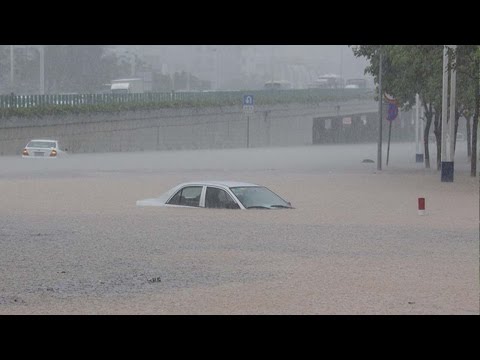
(72, 240)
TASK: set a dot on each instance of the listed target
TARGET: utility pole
(444, 106)
(341, 61)
(418, 131)
(219, 65)
(380, 112)
(42, 69)
(215, 50)
(12, 58)
(189, 70)
(446, 159)
(190, 59)
(248, 132)
(271, 63)
(422, 130)
(453, 89)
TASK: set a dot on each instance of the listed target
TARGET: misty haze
(385, 204)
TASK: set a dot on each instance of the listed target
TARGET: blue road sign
(392, 112)
(248, 100)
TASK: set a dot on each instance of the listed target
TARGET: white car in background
(41, 148)
(219, 195)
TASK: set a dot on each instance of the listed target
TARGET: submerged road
(72, 240)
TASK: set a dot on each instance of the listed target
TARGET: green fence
(58, 104)
(207, 98)
(29, 101)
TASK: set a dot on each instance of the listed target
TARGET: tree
(408, 70)
(161, 82)
(4, 68)
(79, 68)
(411, 69)
(26, 70)
(468, 70)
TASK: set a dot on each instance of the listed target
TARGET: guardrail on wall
(207, 97)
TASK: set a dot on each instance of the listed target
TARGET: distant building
(328, 81)
(278, 85)
(232, 67)
(356, 83)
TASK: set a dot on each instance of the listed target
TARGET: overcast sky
(337, 59)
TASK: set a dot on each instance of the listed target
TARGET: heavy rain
(131, 122)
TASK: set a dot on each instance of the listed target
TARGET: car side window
(219, 199)
(188, 196)
(174, 200)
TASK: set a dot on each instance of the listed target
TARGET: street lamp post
(418, 131)
(42, 69)
(447, 166)
(189, 70)
(422, 130)
(341, 62)
(272, 66)
(453, 88)
(217, 68)
(12, 58)
(41, 50)
(215, 51)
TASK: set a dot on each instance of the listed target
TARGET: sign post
(248, 132)
(391, 115)
(418, 131)
(380, 112)
(248, 108)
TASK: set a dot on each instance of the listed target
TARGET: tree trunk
(469, 138)
(473, 171)
(429, 117)
(438, 136)
(474, 142)
(457, 117)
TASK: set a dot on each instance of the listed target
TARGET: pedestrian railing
(206, 98)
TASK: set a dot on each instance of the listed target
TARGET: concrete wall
(182, 128)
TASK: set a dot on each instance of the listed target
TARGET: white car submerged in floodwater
(41, 148)
(219, 195)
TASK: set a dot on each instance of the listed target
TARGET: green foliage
(407, 70)
(412, 69)
(68, 68)
(78, 68)
(467, 76)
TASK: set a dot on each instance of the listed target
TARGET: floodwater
(72, 240)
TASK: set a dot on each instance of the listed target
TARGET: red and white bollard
(421, 206)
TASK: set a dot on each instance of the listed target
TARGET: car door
(187, 196)
(216, 198)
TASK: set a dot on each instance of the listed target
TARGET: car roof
(220, 183)
(43, 140)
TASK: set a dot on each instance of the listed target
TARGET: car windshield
(41, 144)
(258, 197)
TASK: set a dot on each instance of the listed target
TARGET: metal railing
(200, 98)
